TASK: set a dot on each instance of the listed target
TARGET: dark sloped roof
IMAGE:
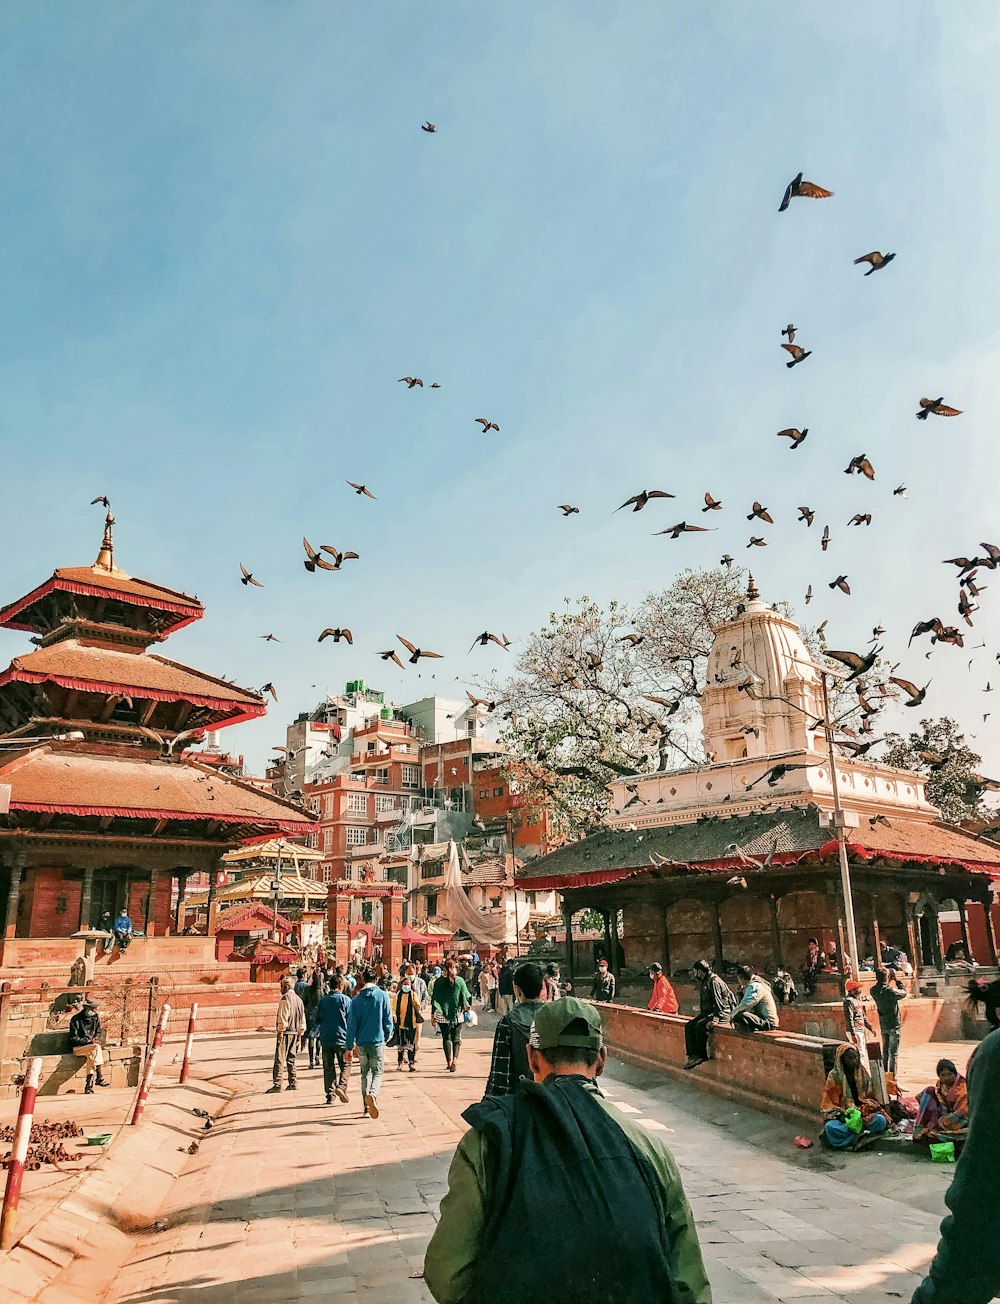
(785, 836)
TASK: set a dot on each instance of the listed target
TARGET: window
(357, 803)
(348, 872)
(327, 839)
(411, 776)
(367, 911)
(431, 871)
(329, 808)
(327, 873)
(384, 804)
(432, 905)
(356, 837)
(484, 794)
(382, 777)
(498, 792)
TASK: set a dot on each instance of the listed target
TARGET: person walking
(558, 1144)
(602, 986)
(122, 929)
(484, 986)
(314, 993)
(369, 1027)
(290, 1026)
(422, 1001)
(757, 1010)
(663, 999)
(855, 1019)
(886, 995)
(405, 1005)
(716, 1004)
(491, 985)
(331, 1022)
(449, 1001)
(509, 1060)
(505, 986)
(85, 1037)
(966, 1268)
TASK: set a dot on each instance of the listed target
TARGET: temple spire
(106, 557)
(753, 593)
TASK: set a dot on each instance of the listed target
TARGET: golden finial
(753, 593)
(106, 557)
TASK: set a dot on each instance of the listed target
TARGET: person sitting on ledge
(757, 1010)
(848, 1098)
(944, 1108)
(664, 998)
(785, 991)
(716, 1005)
(814, 966)
(122, 929)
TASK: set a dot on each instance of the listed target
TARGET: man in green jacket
(559, 1142)
(449, 1000)
(966, 1269)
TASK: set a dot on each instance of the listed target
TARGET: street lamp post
(840, 828)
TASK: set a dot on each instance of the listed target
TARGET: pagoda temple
(738, 859)
(99, 807)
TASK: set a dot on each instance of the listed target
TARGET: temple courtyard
(289, 1199)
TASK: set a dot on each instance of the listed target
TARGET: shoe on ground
(399, 1067)
(413, 1068)
(292, 1086)
(329, 1097)
(453, 1066)
(371, 1104)
(341, 1094)
(695, 1060)
(273, 1090)
(448, 1066)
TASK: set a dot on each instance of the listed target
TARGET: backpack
(518, 1053)
(554, 1146)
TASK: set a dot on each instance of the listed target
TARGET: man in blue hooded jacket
(369, 1027)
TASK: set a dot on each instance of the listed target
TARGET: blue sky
(225, 237)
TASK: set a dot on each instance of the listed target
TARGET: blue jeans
(841, 1136)
(370, 1061)
(890, 1049)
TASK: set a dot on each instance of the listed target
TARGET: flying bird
(916, 694)
(416, 652)
(248, 578)
(757, 542)
(410, 381)
(790, 332)
(682, 527)
(486, 637)
(338, 557)
(796, 436)
(777, 772)
(938, 407)
(640, 500)
(336, 635)
(857, 664)
(809, 595)
(899, 491)
(824, 542)
(102, 500)
(429, 127)
(799, 354)
(270, 638)
(841, 583)
(672, 705)
(567, 510)
(761, 514)
(861, 518)
(487, 425)
(799, 189)
(876, 259)
(634, 639)
(807, 514)
(269, 688)
(711, 504)
(726, 561)
(391, 655)
(313, 559)
(860, 465)
(490, 705)
(821, 630)
(361, 489)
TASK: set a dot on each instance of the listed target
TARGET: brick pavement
(290, 1199)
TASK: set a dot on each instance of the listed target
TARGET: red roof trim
(18, 675)
(556, 881)
(151, 813)
(920, 857)
(98, 591)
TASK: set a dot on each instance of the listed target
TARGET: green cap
(567, 1022)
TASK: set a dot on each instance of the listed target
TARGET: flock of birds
(330, 558)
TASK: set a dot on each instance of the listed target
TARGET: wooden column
(876, 936)
(775, 932)
(181, 910)
(149, 917)
(991, 932)
(14, 896)
(911, 933)
(610, 956)
(964, 925)
(212, 907)
(86, 893)
(666, 942)
(717, 923)
(567, 912)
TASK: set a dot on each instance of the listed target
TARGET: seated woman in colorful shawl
(848, 1087)
(944, 1108)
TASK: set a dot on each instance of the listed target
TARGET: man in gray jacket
(290, 1026)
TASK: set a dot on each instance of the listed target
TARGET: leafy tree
(940, 752)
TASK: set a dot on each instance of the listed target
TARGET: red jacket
(664, 998)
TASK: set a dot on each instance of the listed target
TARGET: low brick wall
(780, 1072)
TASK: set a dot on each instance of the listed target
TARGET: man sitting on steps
(85, 1035)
